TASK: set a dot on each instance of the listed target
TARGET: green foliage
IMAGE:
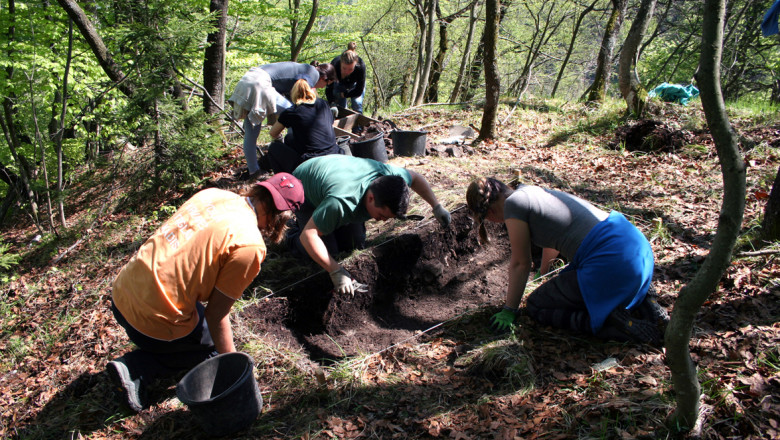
(7, 260)
(189, 146)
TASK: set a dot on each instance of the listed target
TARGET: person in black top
(350, 80)
(310, 130)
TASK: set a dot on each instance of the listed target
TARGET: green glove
(502, 321)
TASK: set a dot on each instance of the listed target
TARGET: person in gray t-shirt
(604, 289)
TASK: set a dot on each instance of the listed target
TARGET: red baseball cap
(286, 190)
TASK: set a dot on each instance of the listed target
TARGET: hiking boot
(650, 310)
(132, 389)
(637, 330)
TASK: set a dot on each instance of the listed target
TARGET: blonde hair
(349, 56)
(277, 227)
(302, 92)
(481, 193)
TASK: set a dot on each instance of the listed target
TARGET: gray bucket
(371, 149)
(222, 393)
(408, 143)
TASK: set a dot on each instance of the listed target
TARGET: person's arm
(548, 255)
(276, 130)
(519, 262)
(421, 187)
(360, 82)
(315, 247)
(218, 320)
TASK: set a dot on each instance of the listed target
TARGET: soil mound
(650, 136)
(414, 282)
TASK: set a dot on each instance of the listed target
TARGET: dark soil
(651, 136)
(414, 282)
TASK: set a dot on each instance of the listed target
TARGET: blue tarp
(675, 93)
(769, 25)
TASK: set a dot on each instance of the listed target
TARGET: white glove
(342, 281)
(442, 215)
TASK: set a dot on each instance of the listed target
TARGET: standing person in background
(311, 120)
(604, 291)
(265, 91)
(208, 252)
(350, 80)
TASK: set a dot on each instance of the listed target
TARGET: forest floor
(413, 356)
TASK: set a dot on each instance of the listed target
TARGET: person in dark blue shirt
(310, 130)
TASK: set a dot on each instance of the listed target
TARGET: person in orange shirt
(208, 252)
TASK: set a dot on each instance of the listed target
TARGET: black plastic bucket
(222, 393)
(408, 143)
(370, 149)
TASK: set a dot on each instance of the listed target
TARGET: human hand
(442, 215)
(342, 281)
(502, 321)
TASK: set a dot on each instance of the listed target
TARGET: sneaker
(246, 175)
(131, 389)
(637, 330)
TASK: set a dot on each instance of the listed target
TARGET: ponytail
(349, 56)
(326, 70)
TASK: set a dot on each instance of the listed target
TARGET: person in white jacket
(264, 91)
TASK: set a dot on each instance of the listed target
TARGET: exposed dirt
(413, 282)
(58, 332)
(651, 136)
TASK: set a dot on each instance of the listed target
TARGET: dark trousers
(282, 158)
(344, 239)
(559, 303)
(158, 358)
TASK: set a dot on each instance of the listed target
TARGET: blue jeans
(357, 103)
(252, 132)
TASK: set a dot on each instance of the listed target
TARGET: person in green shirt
(342, 192)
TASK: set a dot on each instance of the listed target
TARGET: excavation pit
(414, 282)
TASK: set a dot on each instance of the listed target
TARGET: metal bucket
(222, 393)
(408, 143)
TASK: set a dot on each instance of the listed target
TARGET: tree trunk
(429, 43)
(437, 67)
(99, 49)
(422, 25)
(61, 130)
(492, 81)
(770, 225)
(42, 145)
(466, 52)
(630, 86)
(693, 295)
(296, 47)
(214, 61)
(11, 131)
(598, 90)
(570, 49)
(472, 82)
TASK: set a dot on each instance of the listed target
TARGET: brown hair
(302, 93)
(326, 70)
(349, 56)
(278, 225)
(481, 193)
